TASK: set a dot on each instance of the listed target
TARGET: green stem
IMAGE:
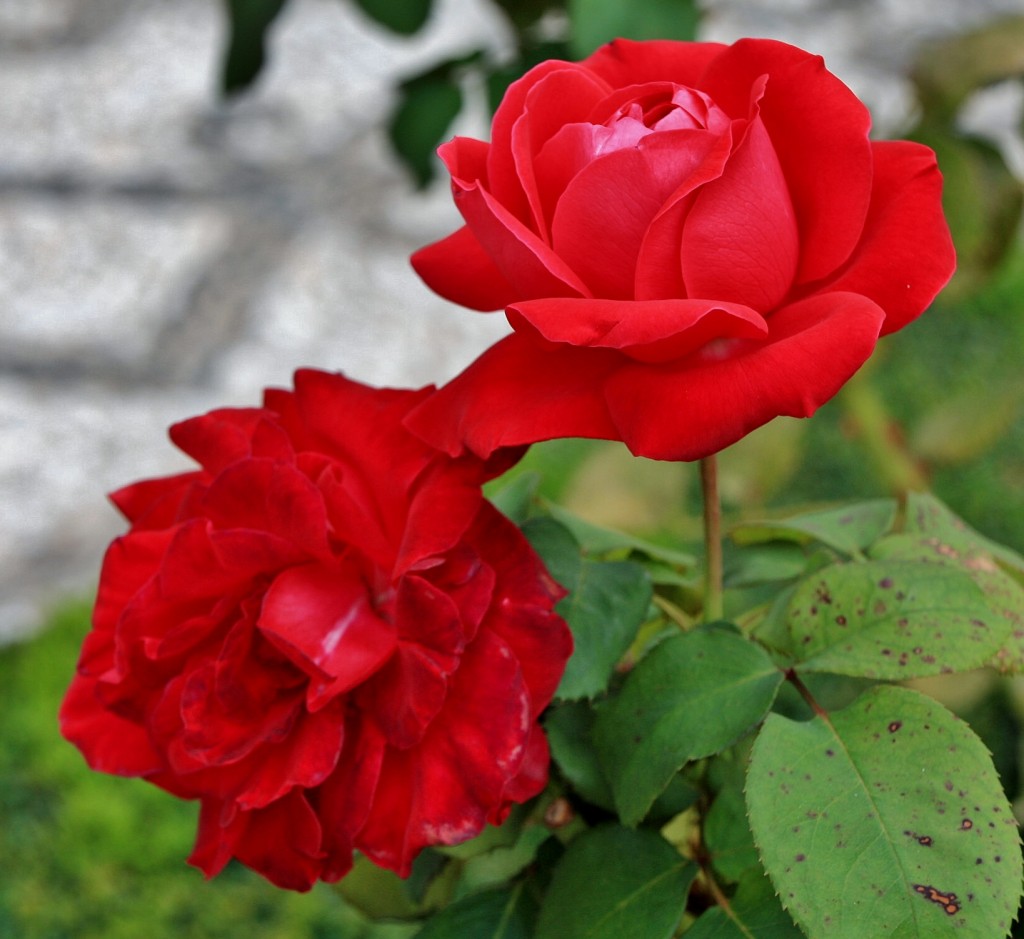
(712, 540)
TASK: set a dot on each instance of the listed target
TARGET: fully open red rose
(326, 634)
(690, 239)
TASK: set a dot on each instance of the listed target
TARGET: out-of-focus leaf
(982, 200)
(426, 108)
(754, 913)
(849, 528)
(595, 22)
(949, 70)
(400, 16)
(248, 22)
(965, 427)
(514, 498)
(503, 913)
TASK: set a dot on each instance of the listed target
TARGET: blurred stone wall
(163, 252)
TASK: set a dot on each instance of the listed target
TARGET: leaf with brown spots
(867, 830)
(892, 619)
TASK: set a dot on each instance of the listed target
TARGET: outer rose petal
(109, 743)
(625, 62)
(687, 410)
(442, 791)
(819, 130)
(460, 270)
(516, 393)
(646, 330)
(906, 254)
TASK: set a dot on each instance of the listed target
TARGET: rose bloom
(689, 239)
(325, 634)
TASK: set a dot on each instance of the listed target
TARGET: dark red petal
(906, 255)
(442, 791)
(304, 759)
(155, 503)
(459, 269)
(215, 843)
(603, 215)
(345, 798)
(518, 393)
(739, 239)
(321, 616)
(129, 562)
(110, 744)
(271, 497)
(625, 62)
(219, 438)
(819, 130)
(282, 842)
(646, 330)
(531, 778)
(690, 409)
(409, 690)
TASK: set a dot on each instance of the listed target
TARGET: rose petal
(604, 213)
(648, 331)
(321, 618)
(701, 405)
(459, 269)
(518, 393)
(442, 791)
(906, 254)
(626, 62)
(110, 744)
(739, 239)
(500, 172)
(219, 438)
(819, 130)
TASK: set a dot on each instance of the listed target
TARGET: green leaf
(568, 728)
(754, 913)
(692, 696)
(886, 819)
(595, 22)
(892, 620)
(727, 835)
(613, 883)
(506, 913)
(952, 536)
(1003, 593)
(404, 17)
(248, 22)
(607, 603)
(764, 564)
(500, 865)
(427, 105)
(849, 529)
(514, 499)
(596, 539)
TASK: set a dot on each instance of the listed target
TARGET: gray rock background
(162, 252)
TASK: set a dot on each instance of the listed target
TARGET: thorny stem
(712, 540)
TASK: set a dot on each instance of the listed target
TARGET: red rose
(690, 239)
(325, 634)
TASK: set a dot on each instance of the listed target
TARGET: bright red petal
(690, 409)
(517, 393)
(460, 270)
(906, 255)
(625, 62)
(739, 240)
(819, 130)
(648, 330)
